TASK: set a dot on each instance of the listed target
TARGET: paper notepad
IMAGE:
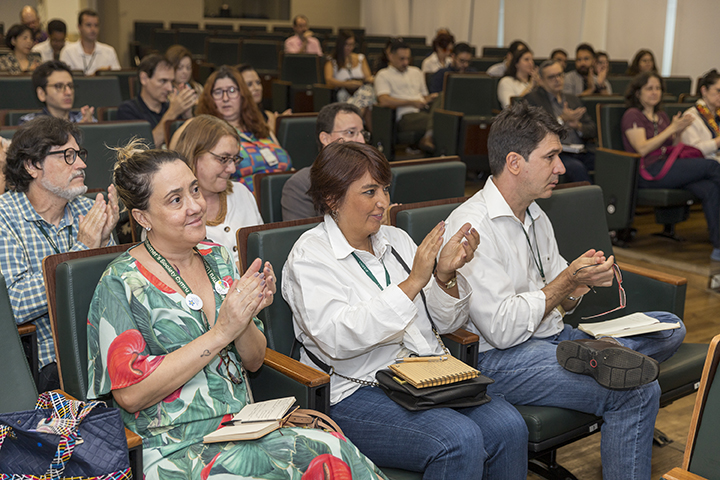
(633, 324)
(254, 421)
(430, 374)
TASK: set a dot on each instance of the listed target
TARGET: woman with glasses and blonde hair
(210, 146)
(226, 96)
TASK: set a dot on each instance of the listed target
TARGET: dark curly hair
(31, 144)
(632, 94)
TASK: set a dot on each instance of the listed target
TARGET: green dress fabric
(134, 321)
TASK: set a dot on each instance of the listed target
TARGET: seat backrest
(97, 92)
(674, 108)
(261, 54)
(703, 444)
(15, 376)
(162, 39)
(268, 191)
(618, 67)
(619, 83)
(97, 137)
(609, 132)
(677, 85)
(144, 30)
(70, 281)
(590, 103)
(18, 93)
(222, 51)
(296, 134)
(471, 94)
(481, 64)
(12, 117)
(124, 78)
(300, 69)
(417, 219)
(8, 132)
(431, 181)
(494, 51)
(273, 243)
(192, 39)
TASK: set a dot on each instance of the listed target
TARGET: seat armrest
(322, 95)
(297, 371)
(617, 173)
(462, 336)
(133, 439)
(446, 131)
(653, 274)
(280, 95)
(678, 473)
(463, 345)
(26, 328)
(383, 130)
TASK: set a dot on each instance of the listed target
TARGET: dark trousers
(699, 176)
(49, 378)
(577, 166)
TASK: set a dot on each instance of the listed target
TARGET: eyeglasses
(70, 154)
(60, 87)
(219, 93)
(232, 369)
(551, 78)
(224, 160)
(350, 134)
(621, 291)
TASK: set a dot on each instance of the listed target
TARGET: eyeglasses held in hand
(621, 291)
(232, 369)
(70, 154)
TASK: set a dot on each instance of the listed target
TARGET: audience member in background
(403, 87)
(87, 54)
(500, 69)
(226, 96)
(520, 77)
(334, 122)
(560, 56)
(357, 308)
(383, 61)
(583, 80)
(459, 63)
(181, 60)
(21, 58)
(349, 72)
(53, 84)
(568, 110)
(43, 213)
(644, 61)
(30, 18)
(602, 62)
(158, 101)
(440, 58)
(210, 147)
(254, 84)
(303, 41)
(648, 131)
(704, 132)
(50, 49)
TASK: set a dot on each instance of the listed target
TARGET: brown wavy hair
(250, 115)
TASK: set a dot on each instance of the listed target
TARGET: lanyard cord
(50, 240)
(370, 274)
(86, 66)
(538, 260)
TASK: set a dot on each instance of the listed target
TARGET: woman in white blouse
(210, 147)
(520, 78)
(350, 73)
(440, 58)
(357, 308)
(704, 132)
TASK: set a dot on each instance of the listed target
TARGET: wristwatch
(450, 283)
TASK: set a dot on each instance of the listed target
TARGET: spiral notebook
(431, 373)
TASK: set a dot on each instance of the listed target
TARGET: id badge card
(269, 156)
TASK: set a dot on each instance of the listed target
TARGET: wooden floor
(690, 259)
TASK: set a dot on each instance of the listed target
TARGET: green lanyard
(370, 274)
(50, 240)
(538, 261)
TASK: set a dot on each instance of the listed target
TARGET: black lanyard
(50, 240)
(370, 274)
(538, 261)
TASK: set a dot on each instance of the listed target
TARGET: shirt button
(227, 229)
(234, 249)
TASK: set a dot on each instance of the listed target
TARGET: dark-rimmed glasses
(224, 160)
(70, 154)
(351, 133)
(219, 93)
(621, 291)
(60, 87)
(232, 369)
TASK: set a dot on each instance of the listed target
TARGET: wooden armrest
(654, 274)
(26, 328)
(294, 369)
(449, 112)
(680, 474)
(462, 336)
(619, 152)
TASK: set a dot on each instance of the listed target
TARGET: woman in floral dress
(170, 329)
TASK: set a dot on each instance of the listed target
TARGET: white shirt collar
(341, 247)
(497, 206)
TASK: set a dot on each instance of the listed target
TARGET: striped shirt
(23, 245)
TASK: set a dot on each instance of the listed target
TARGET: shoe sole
(617, 368)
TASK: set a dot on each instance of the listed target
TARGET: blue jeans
(489, 441)
(529, 374)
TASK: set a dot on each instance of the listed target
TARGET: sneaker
(608, 362)
(715, 255)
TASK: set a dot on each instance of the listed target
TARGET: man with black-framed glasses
(54, 87)
(43, 213)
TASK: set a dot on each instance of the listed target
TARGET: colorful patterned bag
(63, 439)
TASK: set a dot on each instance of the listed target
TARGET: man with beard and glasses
(583, 80)
(45, 212)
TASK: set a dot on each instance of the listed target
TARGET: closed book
(627, 326)
(433, 372)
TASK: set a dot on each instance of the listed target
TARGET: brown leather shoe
(608, 362)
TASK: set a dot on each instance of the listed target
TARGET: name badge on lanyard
(269, 156)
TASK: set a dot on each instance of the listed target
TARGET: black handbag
(64, 438)
(467, 393)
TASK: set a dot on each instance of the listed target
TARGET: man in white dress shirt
(87, 54)
(522, 289)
